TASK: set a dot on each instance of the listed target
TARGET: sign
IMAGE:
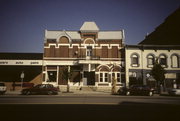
(22, 75)
(21, 62)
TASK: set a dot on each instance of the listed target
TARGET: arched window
(64, 39)
(150, 60)
(174, 61)
(104, 74)
(135, 60)
(163, 60)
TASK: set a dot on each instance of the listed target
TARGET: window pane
(101, 77)
(150, 61)
(134, 60)
(163, 61)
(52, 76)
(118, 77)
(106, 77)
(174, 61)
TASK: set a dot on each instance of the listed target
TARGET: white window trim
(103, 77)
(116, 73)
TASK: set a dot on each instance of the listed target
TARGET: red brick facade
(92, 57)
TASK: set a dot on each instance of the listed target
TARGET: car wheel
(150, 93)
(28, 93)
(49, 92)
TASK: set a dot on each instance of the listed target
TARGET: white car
(174, 91)
(2, 88)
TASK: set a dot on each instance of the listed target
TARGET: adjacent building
(141, 58)
(13, 64)
(93, 57)
(162, 44)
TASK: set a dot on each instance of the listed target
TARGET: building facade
(162, 44)
(92, 57)
(141, 58)
(13, 64)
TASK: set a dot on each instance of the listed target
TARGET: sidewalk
(64, 93)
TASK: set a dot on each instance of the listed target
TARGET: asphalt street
(89, 107)
(86, 99)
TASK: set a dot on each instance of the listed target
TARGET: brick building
(93, 57)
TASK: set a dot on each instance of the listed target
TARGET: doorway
(90, 76)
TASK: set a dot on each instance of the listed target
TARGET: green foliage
(158, 73)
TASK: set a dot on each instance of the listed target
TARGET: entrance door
(90, 77)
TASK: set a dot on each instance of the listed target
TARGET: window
(106, 77)
(117, 76)
(114, 52)
(150, 60)
(52, 76)
(163, 60)
(174, 61)
(134, 60)
(132, 74)
(89, 51)
(103, 77)
(104, 53)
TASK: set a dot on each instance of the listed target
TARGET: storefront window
(103, 77)
(52, 76)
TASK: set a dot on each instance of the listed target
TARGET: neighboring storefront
(141, 58)
(13, 64)
(163, 44)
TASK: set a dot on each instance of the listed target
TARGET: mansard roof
(89, 27)
(75, 35)
(86, 27)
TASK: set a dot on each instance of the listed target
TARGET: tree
(113, 90)
(66, 75)
(158, 73)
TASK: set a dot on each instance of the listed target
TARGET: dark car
(41, 89)
(137, 90)
(2, 88)
(174, 92)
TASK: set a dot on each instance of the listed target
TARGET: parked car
(137, 90)
(174, 91)
(41, 89)
(2, 88)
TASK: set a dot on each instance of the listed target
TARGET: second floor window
(163, 60)
(134, 60)
(89, 51)
(150, 60)
(175, 61)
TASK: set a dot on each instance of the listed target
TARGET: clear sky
(23, 22)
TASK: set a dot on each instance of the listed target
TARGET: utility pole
(22, 77)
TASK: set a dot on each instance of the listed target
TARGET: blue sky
(22, 22)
